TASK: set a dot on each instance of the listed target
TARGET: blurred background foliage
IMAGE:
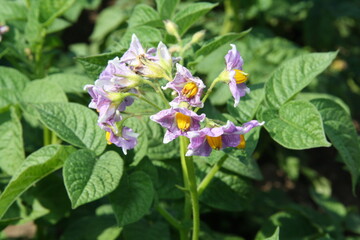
(307, 193)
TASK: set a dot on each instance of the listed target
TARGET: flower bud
(198, 36)
(171, 28)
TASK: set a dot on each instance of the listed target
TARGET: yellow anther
(107, 136)
(190, 89)
(183, 121)
(214, 142)
(242, 143)
(240, 76)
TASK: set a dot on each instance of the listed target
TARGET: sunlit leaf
(133, 197)
(74, 123)
(36, 166)
(88, 178)
(295, 74)
(297, 125)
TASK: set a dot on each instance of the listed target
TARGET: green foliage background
(297, 178)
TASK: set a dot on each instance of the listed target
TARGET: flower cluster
(120, 83)
(117, 87)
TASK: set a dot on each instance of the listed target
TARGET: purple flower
(204, 141)
(136, 55)
(145, 63)
(177, 121)
(160, 66)
(108, 104)
(236, 76)
(126, 140)
(116, 76)
(187, 86)
(107, 96)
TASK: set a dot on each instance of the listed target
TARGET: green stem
(208, 92)
(54, 139)
(192, 188)
(207, 179)
(46, 133)
(187, 204)
(174, 222)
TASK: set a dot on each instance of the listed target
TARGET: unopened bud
(171, 28)
(174, 48)
(4, 29)
(198, 36)
(338, 65)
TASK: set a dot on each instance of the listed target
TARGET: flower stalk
(208, 92)
(190, 170)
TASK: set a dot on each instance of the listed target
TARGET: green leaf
(133, 198)
(70, 82)
(220, 94)
(249, 104)
(36, 211)
(297, 125)
(308, 96)
(58, 25)
(107, 21)
(11, 78)
(219, 41)
(342, 134)
(11, 10)
(73, 123)
(148, 36)
(43, 91)
(187, 16)
(143, 107)
(11, 142)
(139, 126)
(91, 227)
(148, 230)
(275, 236)
(169, 175)
(226, 191)
(144, 15)
(34, 30)
(164, 151)
(40, 91)
(352, 222)
(293, 226)
(166, 8)
(36, 166)
(88, 178)
(295, 74)
(50, 10)
(8, 97)
(51, 194)
(335, 208)
(94, 65)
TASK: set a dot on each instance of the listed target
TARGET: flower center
(240, 76)
(242, 143)
(107, 136)
(189, 90)
(214, 142)
(183, 121)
